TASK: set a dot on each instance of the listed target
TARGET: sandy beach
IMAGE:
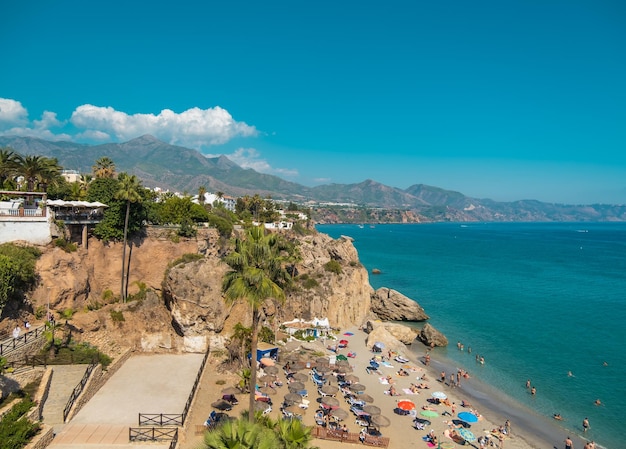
(401, 431)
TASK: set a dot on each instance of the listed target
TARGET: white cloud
(48, 120)
(12, 113)
(195, 127)
(251, 158)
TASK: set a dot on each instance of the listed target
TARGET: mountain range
(171, 167)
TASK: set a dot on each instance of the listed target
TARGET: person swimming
(557, 416)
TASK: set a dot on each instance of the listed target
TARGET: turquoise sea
(537, 300)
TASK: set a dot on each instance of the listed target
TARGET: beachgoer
(585, 424)
(458, 345)
(458, 378)
(16, 332)
(443, 377)
(27, 325)
(507, 427)
(528, 383)
(533, 390)
(452, 380)
(568, 443)
(453, 408)
(557, 416)
(427, 360)
(345, 428)
(362, 434)
(570, 374)
(482, 360)
(469, 349)
(598, 402)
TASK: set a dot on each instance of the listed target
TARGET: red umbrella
(343, 342)
(406, 405)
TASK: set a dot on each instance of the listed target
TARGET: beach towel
(408, 391)
(383, 380)
(387, 364)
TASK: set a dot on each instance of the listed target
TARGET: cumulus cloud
(14, 122)
(195, 127)
(251, 158)
(12, 113)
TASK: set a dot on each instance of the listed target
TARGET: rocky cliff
(182, 306)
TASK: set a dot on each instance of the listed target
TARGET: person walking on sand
(568, 443)
(507, 427)
(585, 424)
(443, 377)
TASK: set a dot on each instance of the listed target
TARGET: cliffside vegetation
(17, 272)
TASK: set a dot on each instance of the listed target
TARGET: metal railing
(78, 389)
(154, 434)
(12, 344)
(161, 419)
(195, 385)
(21, 212)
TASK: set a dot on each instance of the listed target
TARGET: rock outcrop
(400, 332)
(382, 335)
(432, 337)
(392, 305)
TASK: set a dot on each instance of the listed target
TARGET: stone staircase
(64, 380)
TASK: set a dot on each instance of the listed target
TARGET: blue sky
(496, 99)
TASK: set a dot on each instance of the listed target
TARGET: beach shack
(316, 328)
(266, 350)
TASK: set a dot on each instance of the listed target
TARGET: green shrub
(186, 258)
(65, 245)
(108, 296)
(40, 312)
(117, 316)
(310, 283)
(15, 429)
(67, 314)
(333, 266)
(17, 271)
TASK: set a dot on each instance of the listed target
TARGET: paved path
(64, 380)
(144, 384)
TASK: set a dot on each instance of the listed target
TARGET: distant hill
(182, 169)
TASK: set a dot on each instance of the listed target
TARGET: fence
(78, 390)
(153, 434)
(161, 419)
(13, 344)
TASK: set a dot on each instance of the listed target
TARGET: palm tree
(129, 192)
(38, 171)
(257, 276)
(201, 193)
(293, 434)
(240, 434)
(8, 165)
(104, 168)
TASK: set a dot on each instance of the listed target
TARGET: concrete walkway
(144, 384)
(64, 380)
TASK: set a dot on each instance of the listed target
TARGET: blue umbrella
(467, 435)
(468, 417)
(379, 345)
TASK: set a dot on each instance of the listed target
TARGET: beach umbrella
(267, 361)
(349, 334)
(467, 435)
(295, 409)
(293, 397)
(446, 445)
(260, 406)
(341, 358)
(230, 390)
(380, 421)
(339, 413)
(364, 397)
(296, 386)
(380, 345)
(372, 410)
(344, 369)
(222, 405)
(439, 395)
(429, 413)
(267, 390)
(357, 387)
(268, 378)
(343, 342)
(300, 377)
(351, 378)
(406, 405)
(297, 366)
(271, 369)
(468, 417)
(322, 360)
(330, 401)
(329, 389)
(323, 369)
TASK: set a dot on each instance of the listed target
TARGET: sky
(506, 100)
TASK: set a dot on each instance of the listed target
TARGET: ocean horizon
(544, 302)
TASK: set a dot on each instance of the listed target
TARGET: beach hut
(266, 350)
